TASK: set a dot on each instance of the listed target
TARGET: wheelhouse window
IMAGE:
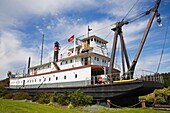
(56, 78)
(71, 61)
(49, 79)
(64, 77)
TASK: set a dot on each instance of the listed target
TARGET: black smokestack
(56, 51)
(29, 60)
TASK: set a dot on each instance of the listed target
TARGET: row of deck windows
(41, 80)
(43, 67)
(95, 58)
(66, 62)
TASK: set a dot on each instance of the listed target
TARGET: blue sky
(22, 23)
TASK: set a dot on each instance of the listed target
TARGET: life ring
(69, 53)
(99, 79)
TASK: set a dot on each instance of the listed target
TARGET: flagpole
(88, 31)
(74, 50)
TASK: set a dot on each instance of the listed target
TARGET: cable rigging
(130, 10)
(163, 47)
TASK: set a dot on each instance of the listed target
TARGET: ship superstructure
(83, 62)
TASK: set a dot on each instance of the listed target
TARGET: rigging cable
(130, 10)
(163, 46)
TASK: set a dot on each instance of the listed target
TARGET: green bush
(62, 99)
(162, 95)
(21, 96)
(43, 98)
(8, 95)
(2, 90)
(76, 98)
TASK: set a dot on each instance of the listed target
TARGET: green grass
(132, 110)
(10, 106)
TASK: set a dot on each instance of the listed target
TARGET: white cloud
(12, 52)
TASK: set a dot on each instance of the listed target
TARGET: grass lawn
(10, 106)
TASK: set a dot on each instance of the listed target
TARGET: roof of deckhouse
(96, 37)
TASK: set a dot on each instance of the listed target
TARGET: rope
(108, 35)
(163, 46)
(130, 9)
(125, 107)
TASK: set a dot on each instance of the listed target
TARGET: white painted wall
(82, 75)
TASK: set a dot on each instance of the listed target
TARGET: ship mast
(42, 47)
(118, 32)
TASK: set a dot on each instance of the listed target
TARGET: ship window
(97, 59)
(70, 61)
(49, 79)
(39, 80)
(91, 39)
(48, 66)
(44, 79)
(64, 77)
(82, 59)
(61, 63)
(75, 75)
(35, 80)
(95, 40)
(94, 58)
(66, 62)
(102, 60)
(56, 78)
(105, 61)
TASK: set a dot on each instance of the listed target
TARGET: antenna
(42, 49)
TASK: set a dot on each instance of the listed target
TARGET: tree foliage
(166, 77)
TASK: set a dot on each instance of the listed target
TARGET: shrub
(8, 95)
(2, 90)
(62, 99)
(76, 98)
(21, 96)
(43, 98)
(163, 95)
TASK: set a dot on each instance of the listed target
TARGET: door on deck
(87, 61)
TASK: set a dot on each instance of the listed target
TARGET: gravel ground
(97, 108)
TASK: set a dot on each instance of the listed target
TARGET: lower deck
(80, 76)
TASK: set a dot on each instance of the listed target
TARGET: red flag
(71, 39)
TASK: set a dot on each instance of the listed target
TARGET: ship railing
(139, 75)
(147, 75)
